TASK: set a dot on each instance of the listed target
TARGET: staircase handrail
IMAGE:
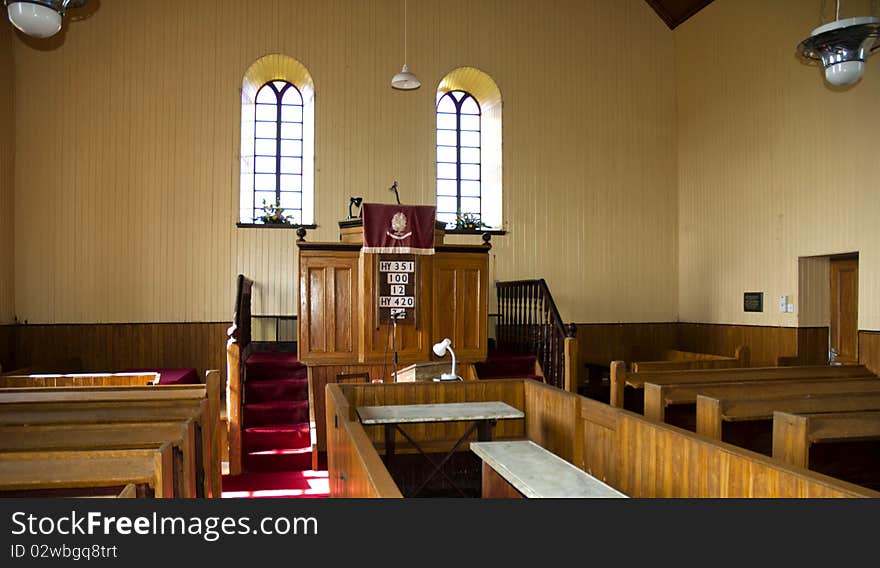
(526, 310)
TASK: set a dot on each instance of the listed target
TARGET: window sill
(475, 231)
(271, 226)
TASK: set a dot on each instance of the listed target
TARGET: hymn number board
(397, 290)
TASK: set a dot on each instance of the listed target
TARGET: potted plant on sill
(273, 215)
(469, 222)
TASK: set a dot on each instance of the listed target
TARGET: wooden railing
(237, 345)
(529, 323)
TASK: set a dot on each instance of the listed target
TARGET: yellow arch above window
(483, 88)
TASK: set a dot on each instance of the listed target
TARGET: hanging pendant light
(405, 80)
(842, 46)
(39, 18)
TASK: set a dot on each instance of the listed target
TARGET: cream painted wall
(7, 179)
(127, 148)
(772, 164)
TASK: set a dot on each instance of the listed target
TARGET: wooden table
(484, 415)
(537, 473)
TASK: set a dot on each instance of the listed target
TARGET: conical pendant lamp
(405, 80)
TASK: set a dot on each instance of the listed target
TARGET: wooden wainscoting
(113, 347)
(599, 344)
(767, 343)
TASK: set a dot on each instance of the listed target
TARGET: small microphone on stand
(394, 189)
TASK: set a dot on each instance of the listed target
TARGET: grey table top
(536, 472)
(448, 412)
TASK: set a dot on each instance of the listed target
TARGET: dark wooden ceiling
(675, 12)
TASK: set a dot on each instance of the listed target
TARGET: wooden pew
(660, 397)
(678, 360)
(714, 412)
(621, 378)
(78, 380)
(95, 405)
(125, 435)
(797, 438)
(43, 473)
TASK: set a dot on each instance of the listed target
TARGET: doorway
(843, 337)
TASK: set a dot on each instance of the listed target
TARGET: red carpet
(290, 484)
(500, 365)
(276, 439)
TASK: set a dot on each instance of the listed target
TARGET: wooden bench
(78, 380)
(96, 405)
(797, 438)
(748, 423)
(678, 360)
(125, 435)
(659, 398)
(621, 379)
(522, 468)
(45, 473)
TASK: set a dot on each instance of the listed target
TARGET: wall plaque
(753, 301)
(397, 292)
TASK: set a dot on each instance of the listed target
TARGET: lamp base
(448, 377)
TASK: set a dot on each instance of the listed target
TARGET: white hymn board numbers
(397, 292)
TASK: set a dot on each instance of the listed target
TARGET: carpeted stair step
(276, 389)
(273, 365)
(275, 413)
(282, 459)
(261, 438)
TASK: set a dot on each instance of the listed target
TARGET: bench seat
(538, 473)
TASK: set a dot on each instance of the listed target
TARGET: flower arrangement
(273, 215)
(468, 221)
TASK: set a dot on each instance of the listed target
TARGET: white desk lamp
(440, 350)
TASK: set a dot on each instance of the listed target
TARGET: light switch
(783, 304)
(789, 308)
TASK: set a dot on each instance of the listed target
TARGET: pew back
(713, 411)
(793, 434)
(73, 380)
(658, 398)
(127, 435)
(620, 378)
(52, 470)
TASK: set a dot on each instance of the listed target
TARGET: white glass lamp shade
(845, 73)
(405, 80)
(34, 19)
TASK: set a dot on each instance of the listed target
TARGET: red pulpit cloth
(405, 229)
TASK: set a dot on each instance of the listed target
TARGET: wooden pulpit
(347, 297)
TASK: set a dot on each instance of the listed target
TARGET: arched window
(469, 149)
(458, 157)
(278, 149)
(277, 141)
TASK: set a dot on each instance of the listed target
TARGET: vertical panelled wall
(128, 137)
(773, 164)
(7, 179)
